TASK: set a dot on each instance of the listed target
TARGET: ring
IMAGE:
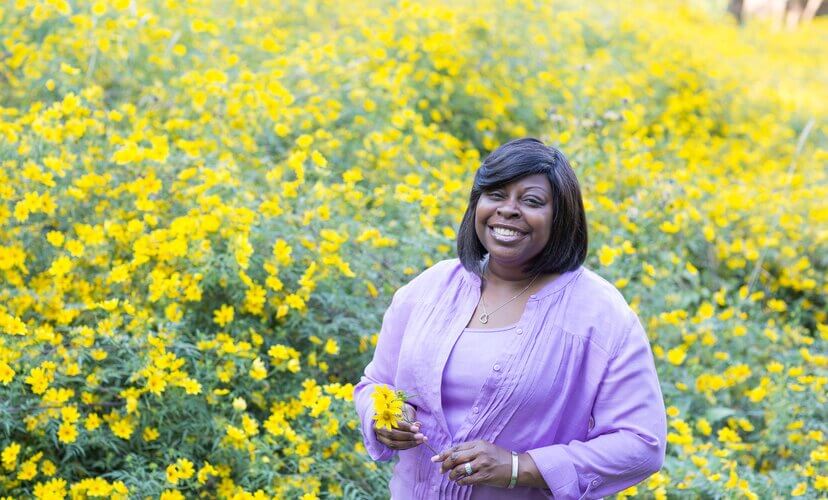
(468, 469)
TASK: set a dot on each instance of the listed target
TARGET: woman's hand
(406, 435)
(491, 465)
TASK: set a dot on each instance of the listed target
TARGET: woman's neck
(510, 277)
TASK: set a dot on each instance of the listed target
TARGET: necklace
(484, 318)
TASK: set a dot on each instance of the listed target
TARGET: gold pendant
(484, 318)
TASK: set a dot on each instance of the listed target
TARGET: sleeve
(381, 370)
(628, 442)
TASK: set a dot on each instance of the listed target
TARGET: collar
(553, 286)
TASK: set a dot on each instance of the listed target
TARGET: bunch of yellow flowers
(388, 406)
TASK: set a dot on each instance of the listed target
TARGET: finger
(398, 428)
(396, 444)
(476, 478)
(451, 457)
(449, 461)
(458, 467)
(400, 443)
(459, 471)
(405, 426)
(448, 451)
(465, 446)
(399, 435)
(409, 411)
(458, 458)
(403, 445)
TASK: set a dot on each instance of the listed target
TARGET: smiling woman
(515, 219)
(530, 188)
(558, 395)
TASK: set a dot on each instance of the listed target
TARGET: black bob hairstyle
(568, 240)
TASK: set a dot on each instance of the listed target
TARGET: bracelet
(513, 481)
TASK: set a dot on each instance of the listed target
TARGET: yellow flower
(258, 371)
(99, 8)
(6, 373)
(318, 159)
(387, 407)
(55, 238)
(704, 426)
(69, 70)
(281, 129)
(150, 434)
(191, 386)
(70, 414)
(205, 472)
(239, 404)
(75, 248)
(728, 435)
(185, 468)
(304, 141)
(250, 425)
(705, 311)
(383, 392)
(235, 436)
(122, 428)
(129, 153)
(9, 456)
(799, 490)
(172, 474)
(331, 347)
(757, 394)
(39, 380)
(60, 266)
(295, 302)
(28, 470)
(385, 419)
(48, 468)
(775, 367)
(223, 316)
(621, 283)
(156, 382)
(606, 255)
(171, 495)
(93, 421)
(67, 433)
(54, 489)
(677, 355)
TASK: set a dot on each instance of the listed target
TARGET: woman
(530, 374)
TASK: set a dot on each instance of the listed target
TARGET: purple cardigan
(577, 389)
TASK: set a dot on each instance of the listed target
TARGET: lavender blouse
(576, 388)
(467, 368)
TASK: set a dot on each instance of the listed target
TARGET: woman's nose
(508, 209)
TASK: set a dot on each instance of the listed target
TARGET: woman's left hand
(491, 464)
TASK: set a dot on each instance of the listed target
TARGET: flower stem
(424, 442)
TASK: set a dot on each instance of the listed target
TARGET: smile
(505, 235)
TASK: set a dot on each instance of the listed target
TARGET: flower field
(205, 207)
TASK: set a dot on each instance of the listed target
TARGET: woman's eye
(495, 195)
(533, 202)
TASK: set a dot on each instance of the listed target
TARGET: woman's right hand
(406, 435)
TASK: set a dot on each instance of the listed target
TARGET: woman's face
(514, 222)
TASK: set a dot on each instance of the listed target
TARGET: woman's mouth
(504, 235)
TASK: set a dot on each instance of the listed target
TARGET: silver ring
(468, 469)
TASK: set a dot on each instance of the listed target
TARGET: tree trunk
(789, 13)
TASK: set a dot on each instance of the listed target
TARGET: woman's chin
(506, 258)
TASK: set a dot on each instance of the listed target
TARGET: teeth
(505, 232)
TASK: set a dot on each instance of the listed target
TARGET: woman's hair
(568, 241)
